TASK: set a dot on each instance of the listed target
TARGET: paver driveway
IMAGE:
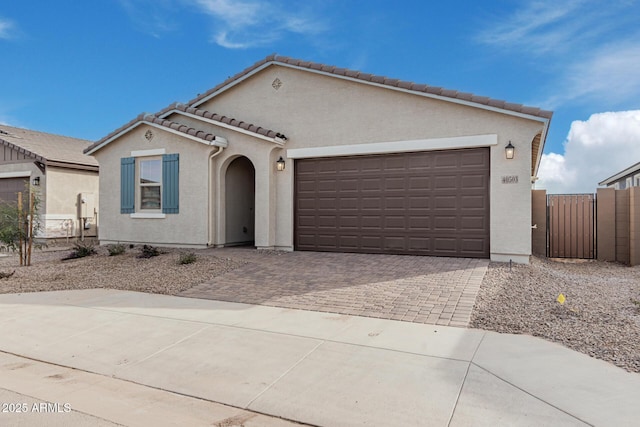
(418, 289)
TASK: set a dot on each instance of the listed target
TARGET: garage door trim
(414, 145)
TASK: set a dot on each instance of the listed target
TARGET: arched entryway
(240, 189)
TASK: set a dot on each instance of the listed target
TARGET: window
(150, 184)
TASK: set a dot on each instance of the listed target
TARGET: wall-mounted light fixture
(509, 151)
(36, 181)
(280, 164)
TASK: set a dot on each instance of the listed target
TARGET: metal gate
(571, 226)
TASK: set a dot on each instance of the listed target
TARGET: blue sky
(83, 69)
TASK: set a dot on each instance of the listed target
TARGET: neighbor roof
(622, 174)
(47, 148)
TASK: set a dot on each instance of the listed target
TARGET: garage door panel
(418, 244)
(371, 222)
(419, 183)
(445, 202)
(394, 243)
(372, 164)
(445, 159)
(398, 164)
(419, 223)
(348, 166)
(445, 223)
(473, 202)
(430, 203)
(346, 222)
(472, 159)
(371, 242)
(349, 242)
(395, 202)
(395, 222)
(473, 223)
(419, 202)
(395, 184)
(472, 181)
(370, 184)
(446, 183)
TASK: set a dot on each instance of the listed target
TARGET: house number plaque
(510, 179)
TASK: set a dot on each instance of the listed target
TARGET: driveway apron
(433, 290)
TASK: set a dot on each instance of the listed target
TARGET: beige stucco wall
(312, 111)
(61, 189)
(189, 227)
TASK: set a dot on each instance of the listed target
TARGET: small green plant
(20, 223)
(116, 249)
(148, 251)
(187, 258)
(82, 249)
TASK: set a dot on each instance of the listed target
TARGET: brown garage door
(9, 188)
(426, 203)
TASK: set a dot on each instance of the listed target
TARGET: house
(57, 169)
(297, 155)
(629, 177)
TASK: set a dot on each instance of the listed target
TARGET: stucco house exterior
(297, 155)
(56, 167)
(626, 178)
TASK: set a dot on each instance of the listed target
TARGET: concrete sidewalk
(311, 367)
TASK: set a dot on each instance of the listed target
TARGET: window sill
(149, 215)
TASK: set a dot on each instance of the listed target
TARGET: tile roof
(372, 78)
(154, 119)
(46, 147)
(222, 119)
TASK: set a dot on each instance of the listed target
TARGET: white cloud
(609, 75)
(6, 28)
(538, 27)
(152, 17)
(236, 24)
(595, 149)
(592, 53)
(251, 23)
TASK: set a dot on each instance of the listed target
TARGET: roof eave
(544, 117)
(22, 150)
(276, 140)
(622, 174)
(141, 120)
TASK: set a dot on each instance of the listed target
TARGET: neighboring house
(57, 169)
(629, 177)
(369, 164)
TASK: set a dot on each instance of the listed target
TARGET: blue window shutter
(170, 183)
(127, 185)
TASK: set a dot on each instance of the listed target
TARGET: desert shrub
(116, 249)
(187, 258)
(82, 249)
(148, 251)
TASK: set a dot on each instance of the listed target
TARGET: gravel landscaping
(162, 274)
(600, 317)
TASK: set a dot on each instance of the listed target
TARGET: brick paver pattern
(433, 290)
